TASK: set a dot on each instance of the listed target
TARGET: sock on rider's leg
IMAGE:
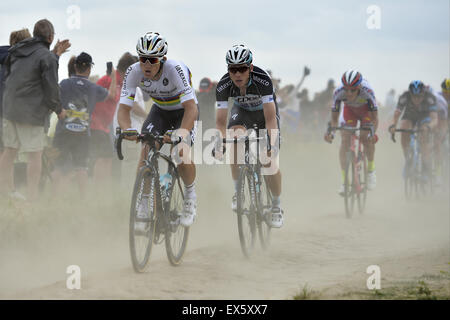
(371, 166)
(189, 191)
(276, 201)
(235, 183)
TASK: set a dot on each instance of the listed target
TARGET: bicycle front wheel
(141, 239)
(264, 209)
(246, 211)
(176, 235)
(349, 194)
(361, 173)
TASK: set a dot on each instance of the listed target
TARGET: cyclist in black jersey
(420, 111)
(251, 90)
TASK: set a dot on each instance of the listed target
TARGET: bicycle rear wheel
(246, 212)
(349, 195)
(264, 208)
(176, 235)
(141, 242)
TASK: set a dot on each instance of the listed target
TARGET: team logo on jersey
(150, 127)
(181, 74)
(262, 81)
(146, 83)
(165, 82)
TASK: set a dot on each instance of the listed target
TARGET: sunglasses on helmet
(151, 60)
(242, 69)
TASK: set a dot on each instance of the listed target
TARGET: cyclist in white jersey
(359, 104)
(168, 83)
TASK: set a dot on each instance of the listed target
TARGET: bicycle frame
(163, 220)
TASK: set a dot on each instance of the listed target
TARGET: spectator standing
(78, 98)
(31, 93)
(15, 37)
(101, 149)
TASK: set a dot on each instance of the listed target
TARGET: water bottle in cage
(165, 181)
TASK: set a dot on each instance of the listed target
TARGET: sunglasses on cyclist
(242, 69)
(351, 89)
(152, 60)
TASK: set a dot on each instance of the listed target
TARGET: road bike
(355, 181)
(416, 182)
(164, 199)
(254, 198)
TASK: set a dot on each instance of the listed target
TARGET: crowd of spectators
(80, 133)
(78, 136)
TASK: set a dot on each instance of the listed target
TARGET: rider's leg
(425, 147)
(345, 146)
(405, 124)
(237, 131)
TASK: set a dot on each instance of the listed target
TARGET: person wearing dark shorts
(160, 121)
(78, 98)
(254, 102)
(420, 111)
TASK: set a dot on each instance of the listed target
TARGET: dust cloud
(317, 246)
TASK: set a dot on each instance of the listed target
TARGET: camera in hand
(109, 68)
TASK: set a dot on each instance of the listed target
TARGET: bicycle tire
(176, 236)
(140, 256)
(349, 195)
(264, 207)
(409, 176)
(362, 178)
(246, 212)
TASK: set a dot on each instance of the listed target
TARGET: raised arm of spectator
(49, 75)
(113, 86)
(61, 47)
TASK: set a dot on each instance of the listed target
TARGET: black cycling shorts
(416, 117)
(159, 121)
(248, 119)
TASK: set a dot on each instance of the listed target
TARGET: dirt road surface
(317, 246)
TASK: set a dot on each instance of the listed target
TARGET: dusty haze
(317, 246)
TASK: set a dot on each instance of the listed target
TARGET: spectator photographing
(102, 118)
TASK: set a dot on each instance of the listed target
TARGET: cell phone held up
(109, 66)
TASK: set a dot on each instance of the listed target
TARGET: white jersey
(366, 97)
(441, 103)
(173, 87)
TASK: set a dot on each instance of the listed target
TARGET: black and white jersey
(259, 91)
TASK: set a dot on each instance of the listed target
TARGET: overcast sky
(328, 36)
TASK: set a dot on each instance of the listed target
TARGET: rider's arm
(397, 114)
(434, 119)
(401, 105)
(374, 116)
(189, 116)
(221, 120)
(270, 117)
(334, 118)
(335, 109)
(127, 96)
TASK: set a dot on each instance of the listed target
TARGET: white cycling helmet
(152, 44)
(239, 54)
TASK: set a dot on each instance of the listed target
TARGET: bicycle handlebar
(143, 137)
(402, 130)
(235, 140)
